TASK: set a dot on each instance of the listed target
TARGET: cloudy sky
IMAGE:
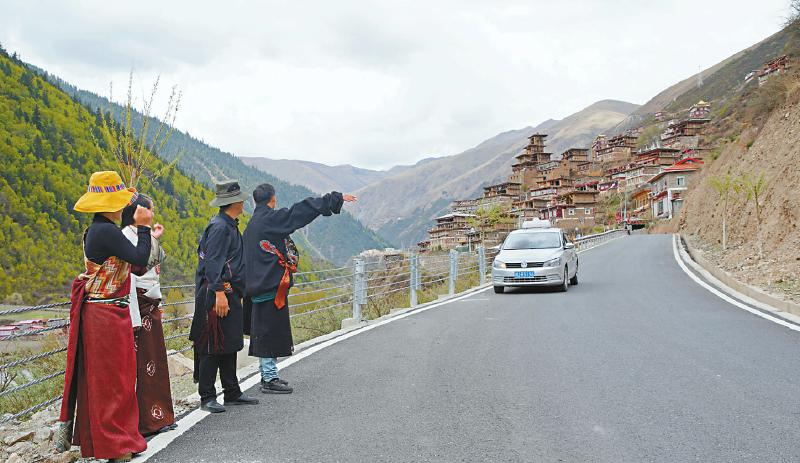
(381, 83)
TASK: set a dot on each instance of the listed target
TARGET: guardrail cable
(33, 308)
(311, 282)
(35, 332)
(303, 304)
(177, 319)
(31, 409)
(168, 304)
(328, 288)
(176, 336)
(32, 358)
(321, 309)
(31, 383)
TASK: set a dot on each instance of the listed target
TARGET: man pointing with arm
(270, 260)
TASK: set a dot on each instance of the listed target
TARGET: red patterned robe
(152, 372)
(100, 382)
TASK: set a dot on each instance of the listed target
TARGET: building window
(571, 211)
(587, 211)
(680, 181)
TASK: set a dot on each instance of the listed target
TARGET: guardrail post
(413, 282)
(359, 288)
(482, 264)
(453, 271)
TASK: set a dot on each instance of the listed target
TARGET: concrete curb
(734, 287)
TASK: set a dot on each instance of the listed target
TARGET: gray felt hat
(228, 193)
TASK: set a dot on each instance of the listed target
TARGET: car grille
(533, 279)
(519, 265)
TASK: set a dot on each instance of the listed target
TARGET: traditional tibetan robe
(220, 268)
(100, 381)
(152, 372)
(270, 259)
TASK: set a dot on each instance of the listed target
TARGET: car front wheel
(565, 285)
(574, 280)
(499, 289)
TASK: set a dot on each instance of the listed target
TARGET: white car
(536, 255)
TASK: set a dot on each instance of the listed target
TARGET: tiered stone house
(574, 209)
(466, 206)
(500, 195)
(657, 156)
(618, 148)
(450, 231)
(668, 186)
(686, 134)
(772, 67)
(525, 170)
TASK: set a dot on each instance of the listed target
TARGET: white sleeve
(133, 304)
(133, 296)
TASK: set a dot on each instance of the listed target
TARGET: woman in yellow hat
(99, 410)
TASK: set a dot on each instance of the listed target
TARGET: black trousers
(208, 366)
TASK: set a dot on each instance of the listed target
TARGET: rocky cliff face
(771, 149)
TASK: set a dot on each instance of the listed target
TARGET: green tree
(487, 219)
(723, 185)
(753, 189)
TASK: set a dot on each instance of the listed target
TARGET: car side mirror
(569, 246)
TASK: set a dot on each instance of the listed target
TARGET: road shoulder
(707, 276)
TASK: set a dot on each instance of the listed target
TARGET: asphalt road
(636, 363)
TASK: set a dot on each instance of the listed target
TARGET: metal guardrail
(367, 280)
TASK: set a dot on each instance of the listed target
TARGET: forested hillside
(335, 238)
(47, 152)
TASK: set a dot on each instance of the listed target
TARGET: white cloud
(381, 83)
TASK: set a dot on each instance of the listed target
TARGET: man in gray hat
(217, 330)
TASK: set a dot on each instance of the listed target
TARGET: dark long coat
(220, 266)
(270, 328)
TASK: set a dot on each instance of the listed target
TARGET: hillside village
(635, 179)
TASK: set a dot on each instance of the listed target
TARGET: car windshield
(532, 241)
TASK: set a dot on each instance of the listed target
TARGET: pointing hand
(157, 231)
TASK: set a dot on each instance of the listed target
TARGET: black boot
(242, 400)
(275, 386)
(212, 406)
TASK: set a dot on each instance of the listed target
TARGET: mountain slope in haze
(322, 178)
(335, 238)
(319, 178)
(402, 206)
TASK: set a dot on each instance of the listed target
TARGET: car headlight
(498, 264)
(553, 262)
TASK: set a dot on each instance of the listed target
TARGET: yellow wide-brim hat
(106, 193)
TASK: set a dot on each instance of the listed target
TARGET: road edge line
(773, 318)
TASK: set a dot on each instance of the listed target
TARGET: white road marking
(724, 296)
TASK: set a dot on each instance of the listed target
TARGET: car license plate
(528, 274)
